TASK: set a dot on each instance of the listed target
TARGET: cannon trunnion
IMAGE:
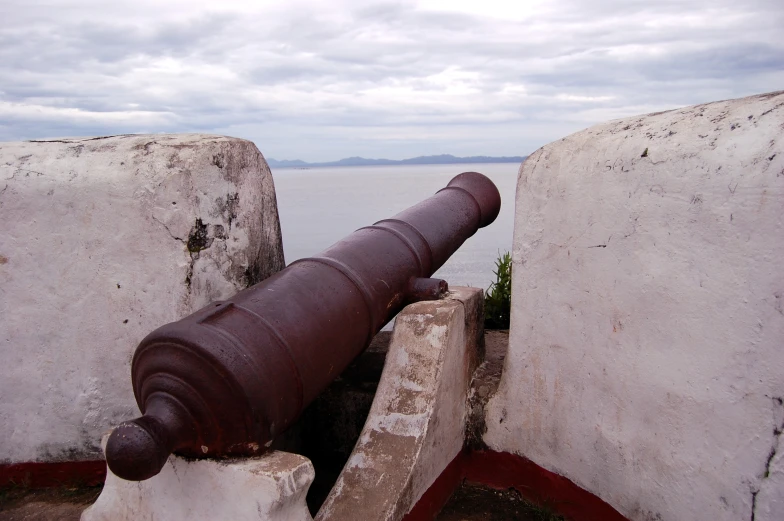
(227, 379)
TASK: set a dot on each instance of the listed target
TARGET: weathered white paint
(271, 487)
(646, 358)
(416, 425)
(94, 255)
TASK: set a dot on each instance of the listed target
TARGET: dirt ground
(472, 502)
(61, 504)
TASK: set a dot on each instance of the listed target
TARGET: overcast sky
(324, 80)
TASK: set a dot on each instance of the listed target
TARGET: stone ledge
(271, 487)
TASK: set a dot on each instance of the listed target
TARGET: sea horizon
(319, 206)
(439, 159)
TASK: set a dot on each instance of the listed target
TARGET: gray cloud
(386, 79)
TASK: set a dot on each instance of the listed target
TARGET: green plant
(498, 297)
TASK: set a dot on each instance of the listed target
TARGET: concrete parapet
(416, 424)
(105, 239)
(645, 358)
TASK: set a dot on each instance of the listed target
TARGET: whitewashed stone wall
(102, 241)
(646, 358)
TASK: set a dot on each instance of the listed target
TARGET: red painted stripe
(54, 474)
(502, 470)
(434, 499)
(494, 469)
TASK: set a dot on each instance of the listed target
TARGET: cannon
(227, 379)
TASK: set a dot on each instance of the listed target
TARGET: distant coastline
(443, 159)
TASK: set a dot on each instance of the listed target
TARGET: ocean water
(320, 206)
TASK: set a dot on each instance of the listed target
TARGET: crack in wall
(7, 184)
(201, 237)
(189, 274)
(27, 173)
(194, 257)
(778, 428)
(168, 230)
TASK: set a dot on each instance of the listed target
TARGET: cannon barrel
(227, 379)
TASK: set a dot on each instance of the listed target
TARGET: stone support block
(271, 487)
(416, 424)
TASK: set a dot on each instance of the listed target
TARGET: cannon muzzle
(227, 379)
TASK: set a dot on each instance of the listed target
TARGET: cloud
(385, 79)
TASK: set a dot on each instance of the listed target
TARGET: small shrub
(498, 297)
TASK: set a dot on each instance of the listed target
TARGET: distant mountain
(274, 163)
(443, 159)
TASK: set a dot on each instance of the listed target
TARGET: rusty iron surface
(227, 379)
